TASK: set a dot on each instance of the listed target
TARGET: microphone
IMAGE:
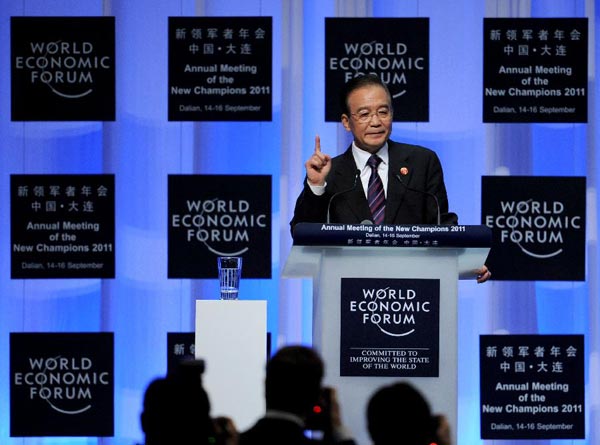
(335, 195)
(437, 203)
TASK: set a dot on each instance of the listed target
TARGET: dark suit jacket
(271, 431)
(403, 206)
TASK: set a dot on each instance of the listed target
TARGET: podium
(385, 307)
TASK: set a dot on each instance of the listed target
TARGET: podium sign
(331, 254)
(389, 327)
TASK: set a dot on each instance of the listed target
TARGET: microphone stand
(437, 203)
(335, 195)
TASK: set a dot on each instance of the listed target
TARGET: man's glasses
(365, 116)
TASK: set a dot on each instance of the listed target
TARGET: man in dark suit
(292, 390)
(376, 180)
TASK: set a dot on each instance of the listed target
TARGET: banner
(62, 226)
(535, 69)
(181, 346)
(396, 49)
(62, 384)
(219, 215)
(63, 68)
(538, 226)
(220, 68)
(532, 387)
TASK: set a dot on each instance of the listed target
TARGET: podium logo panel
(389, 327)
(219, 215)
(62, 384)
(538, 226)
(63, 68)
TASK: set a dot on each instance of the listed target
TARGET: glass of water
(230, 271)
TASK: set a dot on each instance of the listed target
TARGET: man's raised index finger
(317, 144)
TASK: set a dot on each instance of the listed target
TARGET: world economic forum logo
(66, 384)
(394, 311)
(62, 384)
(67, 68)
(219, 215)
(536, 227)
(220, 222)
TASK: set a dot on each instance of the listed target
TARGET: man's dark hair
(399, 413)
(359, 82)
(293, 380)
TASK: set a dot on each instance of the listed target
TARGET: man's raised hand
(318, 165)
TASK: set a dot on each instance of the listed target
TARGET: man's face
(373, 101)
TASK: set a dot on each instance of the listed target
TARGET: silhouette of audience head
(293, 380)
(177, 409)
(399, 413)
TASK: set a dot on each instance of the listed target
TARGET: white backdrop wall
(141, 148)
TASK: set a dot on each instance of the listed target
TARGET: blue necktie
(376, 195)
